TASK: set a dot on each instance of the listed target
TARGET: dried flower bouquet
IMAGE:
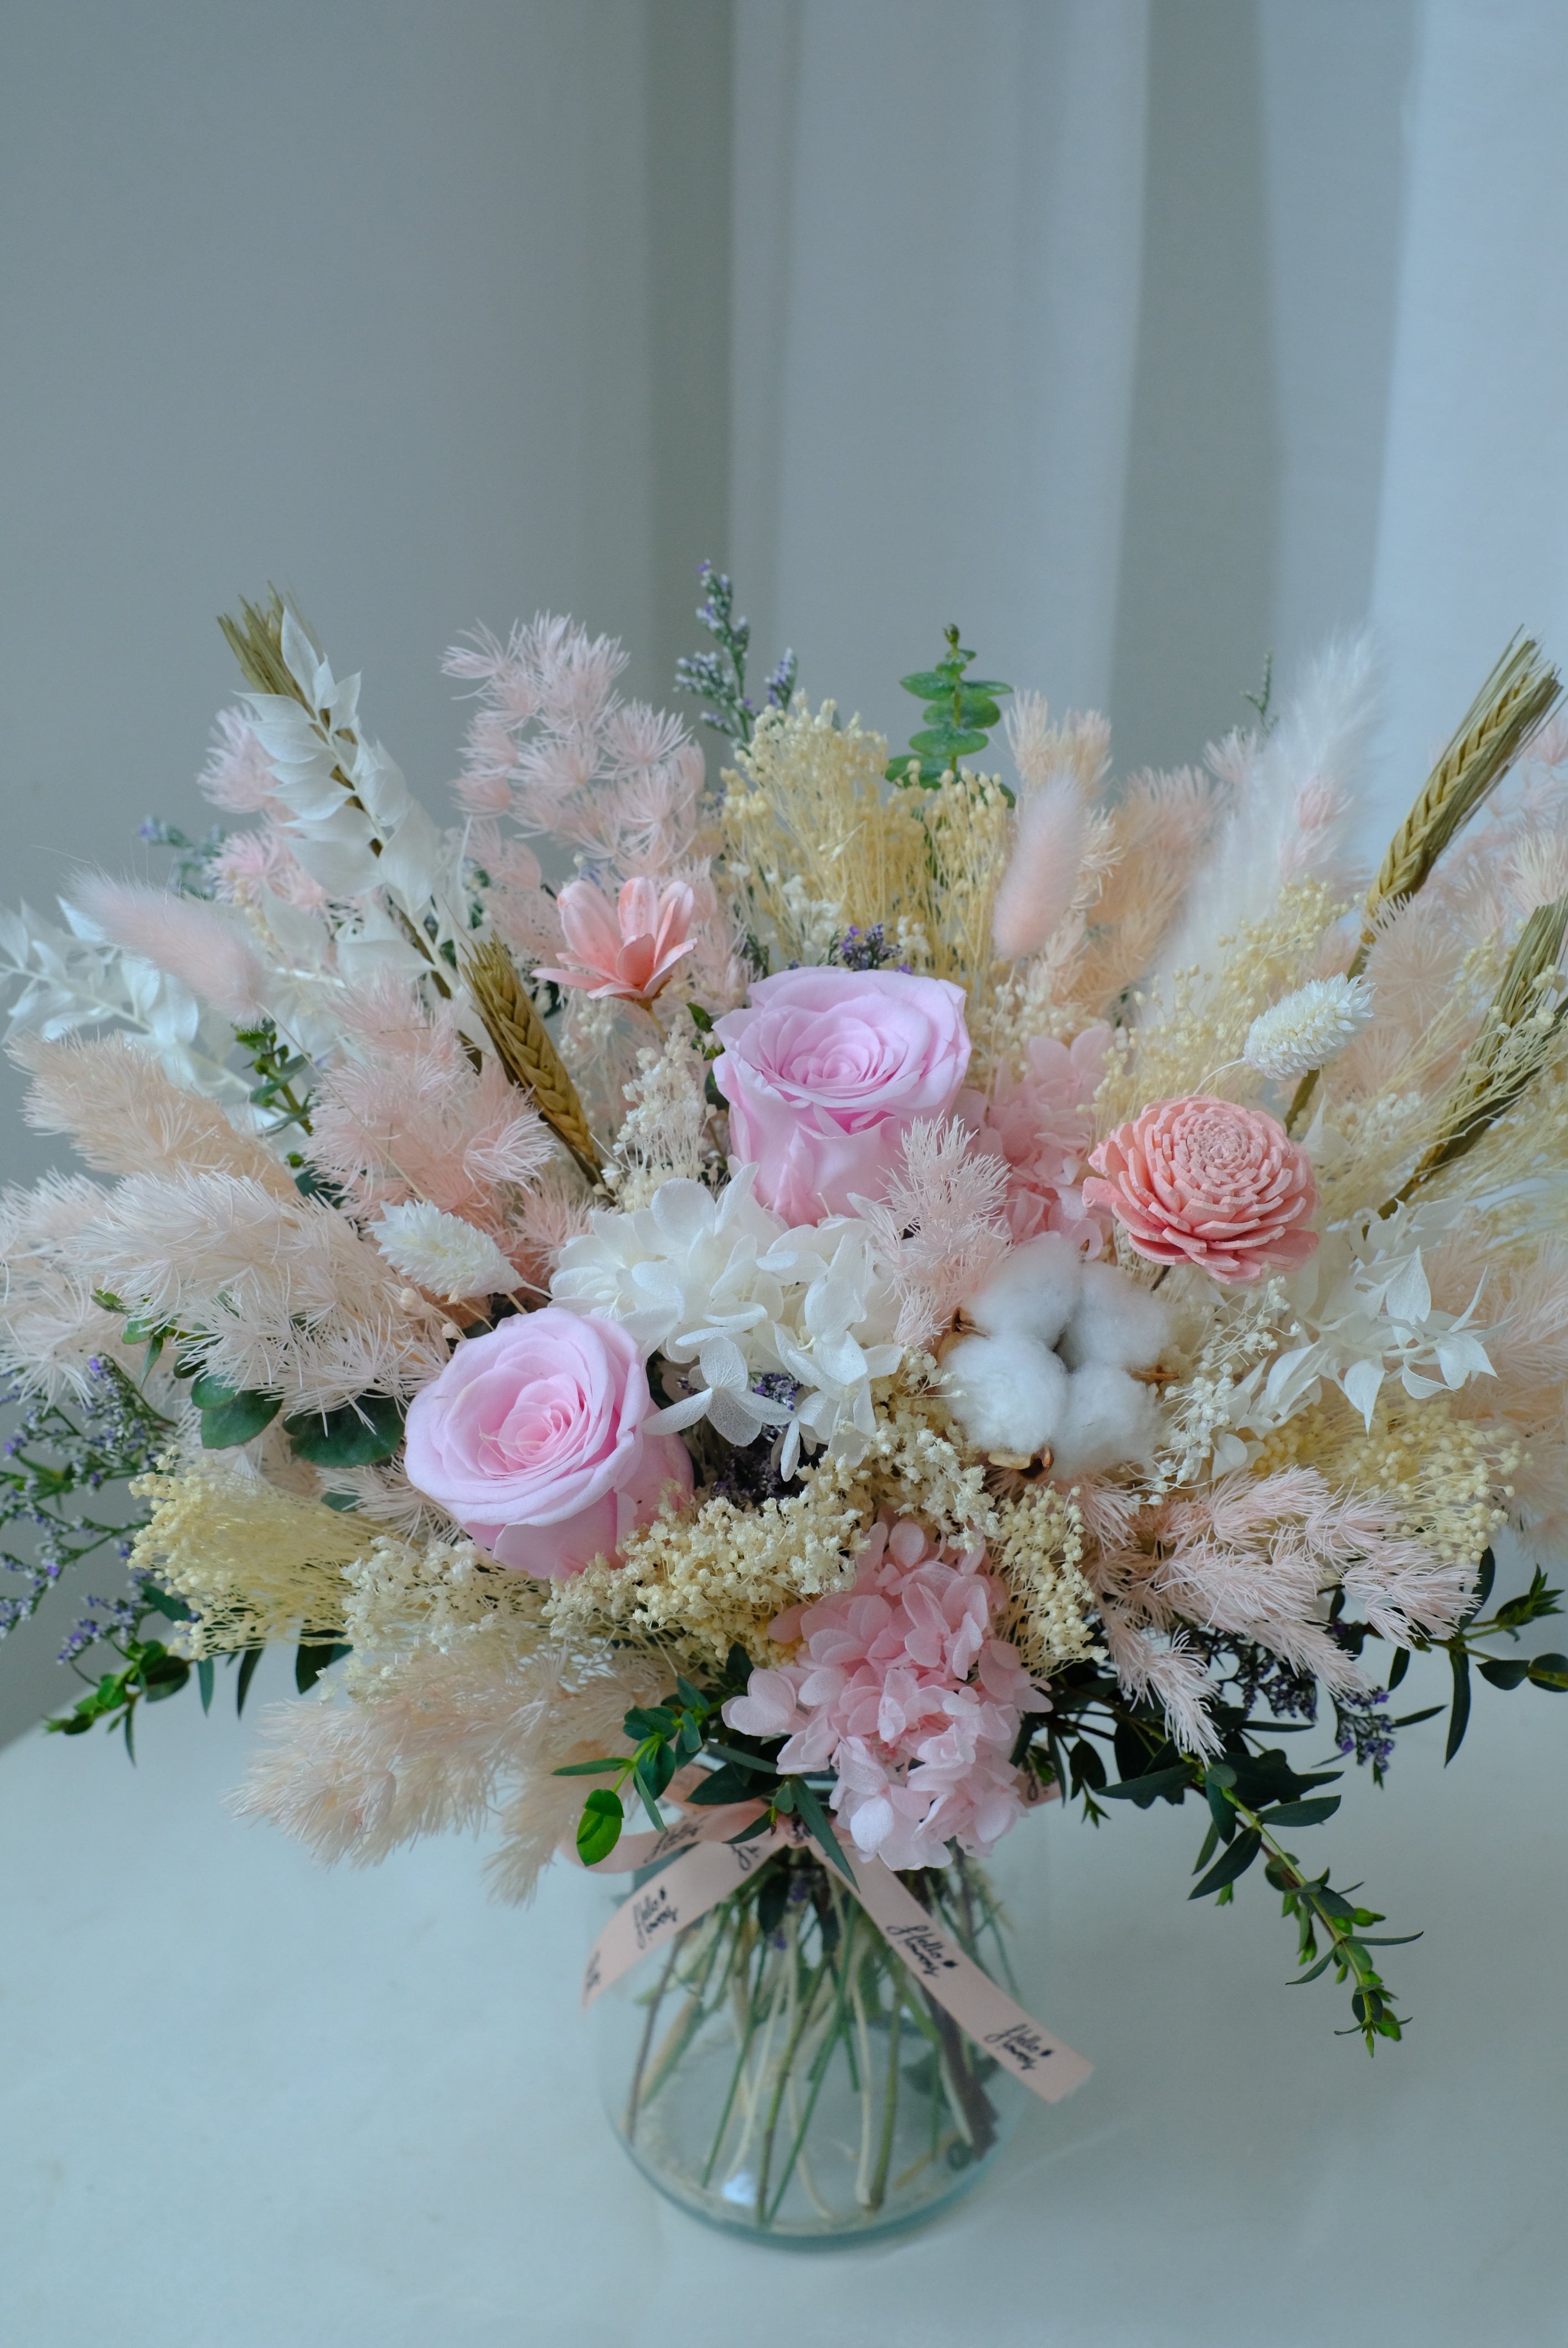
(888, 1295)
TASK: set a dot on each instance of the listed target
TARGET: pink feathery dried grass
(408, 1116)
(449, 1735)
(238, 775)
(940, 1227)
(205, 946)
(1078, 749)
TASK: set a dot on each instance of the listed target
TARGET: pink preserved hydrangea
(1041, 1124)
(1202, 1182)
(906, 1696)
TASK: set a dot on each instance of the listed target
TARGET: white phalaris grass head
(441, 1253)
(1306, 1029)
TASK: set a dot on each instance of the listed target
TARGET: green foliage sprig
(960, 712)
(681, 1729)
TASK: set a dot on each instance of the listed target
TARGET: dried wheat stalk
(1518, 693)
(523, 1046)
(1517, 1039)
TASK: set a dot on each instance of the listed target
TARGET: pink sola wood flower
(1202, 1182)
(628, 950)
(906, 1696)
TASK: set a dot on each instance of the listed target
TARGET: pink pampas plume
(201, 946)
(1038, 885)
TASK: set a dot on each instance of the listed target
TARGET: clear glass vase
(777, 2070)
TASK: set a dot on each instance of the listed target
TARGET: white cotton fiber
(1032, 1292)
(1048, 1370)
(1007, 1392)
(1110, 1418)
(1114, 1323)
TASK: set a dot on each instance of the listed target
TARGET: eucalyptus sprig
(960, 712)
(1506, 1672)
(665, 1735)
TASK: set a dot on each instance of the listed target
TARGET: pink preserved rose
(826, 1072)
(536, 1438)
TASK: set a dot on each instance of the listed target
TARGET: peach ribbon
(706, 1867)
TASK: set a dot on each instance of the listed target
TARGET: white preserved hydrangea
(730, 1295)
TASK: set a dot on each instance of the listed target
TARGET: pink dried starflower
(1202, 1182)
(628, 950)
(906, 1696)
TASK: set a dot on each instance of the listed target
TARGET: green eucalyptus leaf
(359, 1435)
(648, 1793)
(205, 1676)
(1232, 1863)
(1549, 1672)
(1301, 1814)
(247, 1662)
(817, 1819)
(312, 1658)
(1459, 1716)
(1399, 1667)
(599, 1829)
(1147, 1789)
(1504, 1672)
(948, 742)
(651, 1720)
(231, 1418)
(721, 1786)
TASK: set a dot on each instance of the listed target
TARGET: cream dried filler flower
(792, 1309)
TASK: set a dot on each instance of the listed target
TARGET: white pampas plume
(1038, 885)
(205, 946)
(1304, 1030)
(442, 1253)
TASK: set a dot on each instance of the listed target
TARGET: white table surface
(248, 2103)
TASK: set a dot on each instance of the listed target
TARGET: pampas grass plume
(1038, 885)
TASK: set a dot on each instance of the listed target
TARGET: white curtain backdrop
(1146, 339)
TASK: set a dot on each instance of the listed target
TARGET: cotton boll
(1114, 1323)
(1007, 1392)
(1032, 1292)
(1109, 1419)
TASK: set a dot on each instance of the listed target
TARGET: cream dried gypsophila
(253, 1563)
(729, 1294)
(401, 1595)
(1035, 1544)
(1202, 1023)
(664, 1134)
(1446, 1476)
(703, 1583)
